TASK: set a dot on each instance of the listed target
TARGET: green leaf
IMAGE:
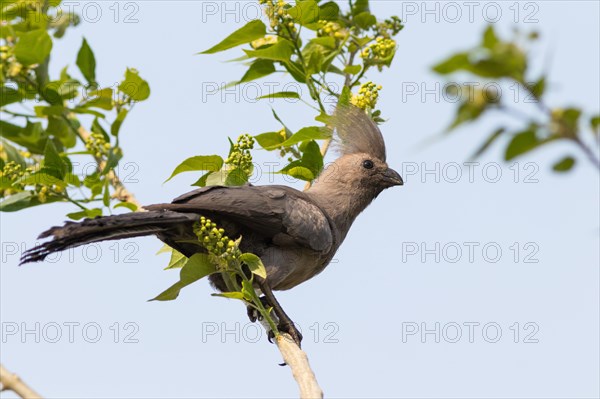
(305, 12)
(16, 202)
(87, 213)
(41, 178)
(248, 290)
(296, 170)
(269, 141)
(352, 69)
(254, 264)
(325, 41)
(8, 95)
(52, 160)
(32, 136)
(114, 156)
(197, 267)
(25, 199)
(201, 182)
(164, 249)
(280, 51)
(345, 96)
(538, 87)
(97, 128)
(60, 129)
(134, 86)
(102, 99)
(595, 124)
(177, 261)
(106, 195)
(236, 177)
(211, 163)
(308, 133)
(72, 180)
(12, 154)
(287, 131)
(33, 47)
(489, 38)
(230, 295)
(454, 63)
(329, 11)
(564, 165)
(128, 205)
(312, 158)
(253, 30)
(258, 69)
(81, 110)
(360, 6)
(55, 110)
(281, 94)
(365, 20)
(468, 111)
(116, 125)
(296, 70)
(570, 117)
(521, 143)
(224, 177)
(316, 60)
(87, 62)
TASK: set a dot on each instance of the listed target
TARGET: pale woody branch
(12, 382)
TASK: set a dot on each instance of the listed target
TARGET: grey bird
(295, 233)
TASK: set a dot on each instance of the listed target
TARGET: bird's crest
(356, 132)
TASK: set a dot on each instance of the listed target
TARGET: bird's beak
(392, 178)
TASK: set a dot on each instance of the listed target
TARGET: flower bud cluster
(12, 171)
(381, 51)
(239, 156)
(215, 241)
(279, 18)
(332, 29)
(97, 145)
(367, 96)
(389, 27)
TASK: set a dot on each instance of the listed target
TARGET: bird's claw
(292, 331)
(289, 329)
(253, 313)
(270, 336)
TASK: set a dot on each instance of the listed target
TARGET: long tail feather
(104, 228)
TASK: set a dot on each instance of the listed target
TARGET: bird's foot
(253, 313)
(290, 329)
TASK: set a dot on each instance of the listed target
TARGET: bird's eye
(368, 164)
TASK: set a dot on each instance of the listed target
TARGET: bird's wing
(274, 211)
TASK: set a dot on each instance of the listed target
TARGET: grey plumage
(295, 233)
(356, 133)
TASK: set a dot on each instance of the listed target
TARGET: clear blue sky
(363, 318)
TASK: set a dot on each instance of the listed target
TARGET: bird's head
(361, 168)
(362, 148)
(362, 171)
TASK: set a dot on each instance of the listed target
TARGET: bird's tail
(104, 228)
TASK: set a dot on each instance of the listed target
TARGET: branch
(12, 382)
(297, 361)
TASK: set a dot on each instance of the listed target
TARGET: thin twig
(12, 382)
(588, 152)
